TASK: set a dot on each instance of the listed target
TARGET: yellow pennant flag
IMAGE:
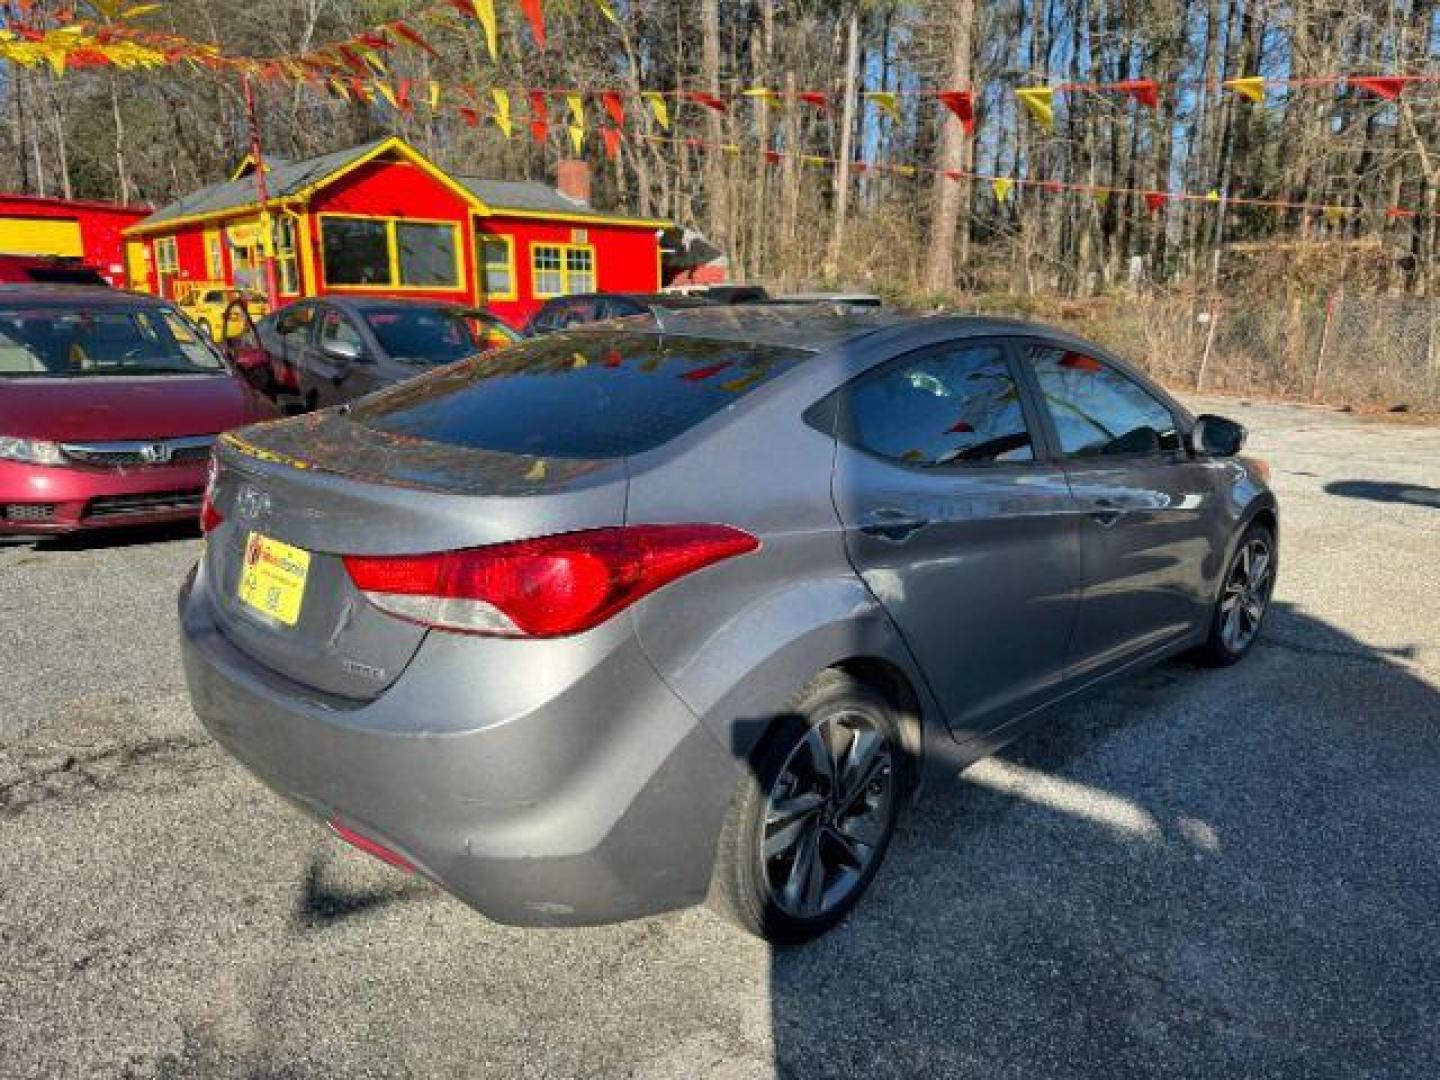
(764, 93)
(903, 170)
(885, 101)
(502, 110)
(814, 159)
(1251, 88)
(485, 14)
(1040, 102)
(607, 11)
(1002, 186)
(577, 138)
(1212, 195)
(434, 95)
(388, 95)
(730, 149)
(372, 59)
(576, 102)
(1334, 215)
(658, 107)
(1102, 199)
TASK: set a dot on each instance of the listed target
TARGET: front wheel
(1244, 598)
(811, 822)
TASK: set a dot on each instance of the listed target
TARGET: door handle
(1105, 512)
(891, 524)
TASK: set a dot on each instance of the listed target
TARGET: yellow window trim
(167, 255)
(393, 250)
(481, 238)
(564, 249)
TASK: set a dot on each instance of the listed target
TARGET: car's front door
(338, 366)
(960, 526)
(1146, 508)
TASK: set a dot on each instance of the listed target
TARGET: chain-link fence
(1339, 349)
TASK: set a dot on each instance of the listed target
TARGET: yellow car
(209, 305)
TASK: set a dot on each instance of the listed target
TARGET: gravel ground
(1193, 874)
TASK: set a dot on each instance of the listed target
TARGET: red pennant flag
(358, 89)
(374, 40)
(1383, 86)
(611, 137)
(771, 156)
(954, 174)
(962, 104)
(613, 105)
(537, 20)
(410, 35)
(1155, 201)
(709, 100)
(470, 116)
(352, 60)
(1052, 186)
(402, 96)
(538, 108)
(1398, 212)
(1145, 91)
(540, 129)
(859, 168)
(814, 97)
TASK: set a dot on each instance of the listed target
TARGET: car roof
(668, 300)
(89, 295)
(821, 327)
(373, 303)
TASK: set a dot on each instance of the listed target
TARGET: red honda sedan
(109, 404)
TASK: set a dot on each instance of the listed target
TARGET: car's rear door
(960, 526)
(1147, 507)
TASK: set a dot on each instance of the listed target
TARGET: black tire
(742, 888)
(1222, 648)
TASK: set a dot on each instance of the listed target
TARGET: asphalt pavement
(1191, 874)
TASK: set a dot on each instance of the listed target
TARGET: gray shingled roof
(288, 177)
(283, 178)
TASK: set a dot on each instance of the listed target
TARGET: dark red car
(109, 404)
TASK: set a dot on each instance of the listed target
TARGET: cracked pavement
(1193, 873)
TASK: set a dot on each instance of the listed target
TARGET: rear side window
(954, 405)
(577, 396)
(1098, 411)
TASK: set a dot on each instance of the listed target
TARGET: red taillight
(372, 847)
(210, 518)
(550, 587)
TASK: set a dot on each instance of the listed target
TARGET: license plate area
(272, 578)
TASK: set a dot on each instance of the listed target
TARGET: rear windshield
(585, 395)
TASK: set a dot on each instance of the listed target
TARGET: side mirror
(1215, 436)
(346, 352)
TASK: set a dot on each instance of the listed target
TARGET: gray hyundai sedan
(626, 617)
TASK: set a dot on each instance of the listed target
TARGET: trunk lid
(326, 487)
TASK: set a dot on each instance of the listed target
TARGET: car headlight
(31, 451)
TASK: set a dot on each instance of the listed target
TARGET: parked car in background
(109, 405)
(580, 308)
(729, 293)
(632, 611)
(324, 351)
(216, 309)
(848, 299)
(47, 270)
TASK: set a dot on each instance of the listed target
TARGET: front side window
(562, 269)
(294, 323)
(1098, 411)
(953, 405)
(337, 327)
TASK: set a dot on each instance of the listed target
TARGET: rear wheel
(1244, 598)
(810, 824)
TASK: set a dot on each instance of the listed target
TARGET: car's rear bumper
(42, 500)
(603, 803)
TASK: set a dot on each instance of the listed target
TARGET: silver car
(617, 619)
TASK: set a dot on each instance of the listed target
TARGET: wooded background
(152, 135)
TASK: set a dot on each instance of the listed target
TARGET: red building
(381, 218)
(90, 231)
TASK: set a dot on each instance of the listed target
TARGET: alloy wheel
(1247, 592)
(827, 814)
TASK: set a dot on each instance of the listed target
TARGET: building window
(214, 259)
(426, 255)
(167, 258)
(497, 266)
(286, 256)
(390, 254)
(562, 269)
